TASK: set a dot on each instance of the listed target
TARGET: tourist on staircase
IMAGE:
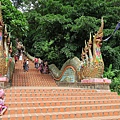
(3, 108)
(27, 65)
(36, 63)
(46, 68)
(41, 66)
(16, 58)
(20, 58)
(24, 65)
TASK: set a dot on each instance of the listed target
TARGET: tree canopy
(16, 22)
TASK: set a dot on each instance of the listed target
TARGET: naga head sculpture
(98, 36)
(94, 65)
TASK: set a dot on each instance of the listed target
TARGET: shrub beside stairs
(35, 96)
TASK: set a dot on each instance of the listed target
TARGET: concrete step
(46, 103)
(64, 93)
(63, 115)
(36, 108)
(19, 97)
(97, 118)
(79, 91)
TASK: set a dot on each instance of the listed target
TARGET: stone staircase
(35, 96)
(31, 78)
(56, 103)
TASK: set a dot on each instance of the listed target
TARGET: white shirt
(20, 58)
(27, 62)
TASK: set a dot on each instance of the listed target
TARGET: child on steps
(3, 108)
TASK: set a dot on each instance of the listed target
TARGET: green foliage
(15, 20)
(114, 75)
(68, 50)
(111, 56)
(109, 73)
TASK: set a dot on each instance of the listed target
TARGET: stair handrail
(73, 64)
